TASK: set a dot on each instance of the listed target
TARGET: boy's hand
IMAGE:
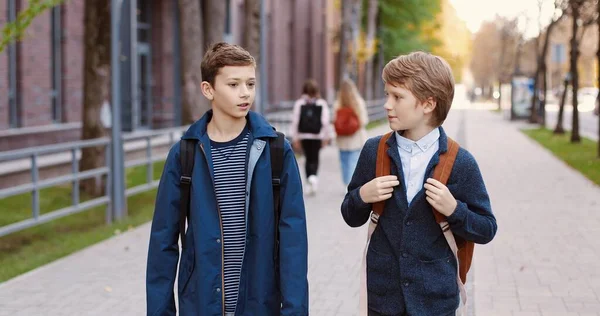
(440, 197)
(378, 189)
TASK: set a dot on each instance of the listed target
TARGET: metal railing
(150, 139)
(150, 159)
(376, 110)
(36, 184)
(280, 118)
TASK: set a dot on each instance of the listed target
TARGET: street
(588, 122)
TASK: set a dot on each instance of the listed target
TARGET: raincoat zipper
(222, 247)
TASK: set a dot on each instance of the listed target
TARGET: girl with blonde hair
(351, 119)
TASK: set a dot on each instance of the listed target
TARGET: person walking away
(311, 130)
(351, 119)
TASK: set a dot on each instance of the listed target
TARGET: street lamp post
(263, 104)
(118, 205)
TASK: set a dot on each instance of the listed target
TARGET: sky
(474, 12)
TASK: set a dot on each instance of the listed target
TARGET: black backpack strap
(276, 149)
(187, 150)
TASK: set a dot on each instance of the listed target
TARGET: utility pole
(117, 168)
(263, 102)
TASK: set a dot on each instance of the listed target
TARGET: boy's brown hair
(311, 88)
(223, 54)
(425, 75)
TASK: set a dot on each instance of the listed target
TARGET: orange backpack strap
(462, 249)
(443, 170)
(382, 167)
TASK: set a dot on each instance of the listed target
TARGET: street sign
(522, 92)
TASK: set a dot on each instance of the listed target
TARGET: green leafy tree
(402, 24)
(15, 30)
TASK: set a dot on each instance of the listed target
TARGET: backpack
(346, 122)
(187, 152)
(462, 249)
(310, 118)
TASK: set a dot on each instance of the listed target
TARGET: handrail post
(109, 213)
(75, 170)
(35, 176)
(149, 171)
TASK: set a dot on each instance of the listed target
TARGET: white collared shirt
(415, 157)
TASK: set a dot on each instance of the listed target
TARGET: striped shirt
(229, 164)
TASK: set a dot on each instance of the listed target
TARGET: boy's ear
(429, 105)
(207, 90)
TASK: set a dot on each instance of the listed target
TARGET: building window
(142, 111)
(143, 20)
(56, 30)
(227, 16)
(14, 117)
(228, 36)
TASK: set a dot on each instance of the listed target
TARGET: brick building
(41, 77)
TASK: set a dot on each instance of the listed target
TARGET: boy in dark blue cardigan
(411, 270)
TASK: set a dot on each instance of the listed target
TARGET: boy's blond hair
(426, 76)
(220, 55)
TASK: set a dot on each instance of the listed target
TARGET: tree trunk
(504, 37)
(542, 118)
(533, 117)
(379, 59)
(213, 27)
(544, 71)
(191, 57)
(355, 35)
(575, 138)
(95, 87)
(559, 129)
(345, 35)
(536, 83)
(214, 21)
(517, 69)
(252, 28)
(252, 35)
(598, 96)
(371, 25)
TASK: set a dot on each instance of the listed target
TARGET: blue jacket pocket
(186, 269)
(382, 272)
(439, 277)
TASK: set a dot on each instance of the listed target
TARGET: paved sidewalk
(544, 261)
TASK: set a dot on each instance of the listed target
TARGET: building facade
(41, 77)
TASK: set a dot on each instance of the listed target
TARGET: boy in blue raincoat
(227, 262)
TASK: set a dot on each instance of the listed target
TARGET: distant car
(586, 103)
(587, 94)
(587, 99)
(588, 90)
